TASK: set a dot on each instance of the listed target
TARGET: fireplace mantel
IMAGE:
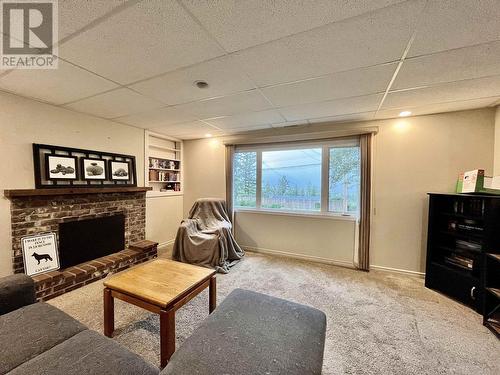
(71, 191)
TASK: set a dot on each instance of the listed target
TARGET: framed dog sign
(40, 253)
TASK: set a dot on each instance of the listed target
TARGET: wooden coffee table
(161, 286)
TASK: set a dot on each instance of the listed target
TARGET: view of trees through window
(291, 179)
(245, 179)
(344, 172)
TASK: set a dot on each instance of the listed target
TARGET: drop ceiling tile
(332, 108)
(248, 101)
(246, 129)
(76, 14)
(365, 116)
(188, 130)
(338, 85)
(223, 75)
(242, 24)
(464, 63)
(440, 107)
(288, 123)
(56, 86)
(448, 92)
(157, 117)
(198, 135)
(247, 120)
(449, 24)
(147, 39)
(115, 103)
(376, 38)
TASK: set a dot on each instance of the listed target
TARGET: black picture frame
(98, 177)
(62, 177)
(42, 153)
(113, 177)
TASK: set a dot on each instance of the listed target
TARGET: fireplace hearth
(99, 231)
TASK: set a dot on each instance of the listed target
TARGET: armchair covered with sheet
(205, 237)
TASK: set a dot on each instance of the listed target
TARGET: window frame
(325, 146)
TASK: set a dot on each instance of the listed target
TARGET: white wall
(204, 174)
(412, 157)
(496, 162)
(320, 238)
(163, 216)
(23, 122)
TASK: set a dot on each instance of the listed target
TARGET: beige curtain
(365, 143)
(229, 182)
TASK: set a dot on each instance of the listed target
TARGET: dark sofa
(249, 333)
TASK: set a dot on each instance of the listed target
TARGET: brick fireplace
(40, 211)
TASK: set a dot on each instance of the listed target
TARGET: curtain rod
(294, 137)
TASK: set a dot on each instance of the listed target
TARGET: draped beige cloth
(205, 238)
(365, 144)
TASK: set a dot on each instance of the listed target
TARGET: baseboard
(166, 243)
(397, 270)
(329, 261)
(310, 258)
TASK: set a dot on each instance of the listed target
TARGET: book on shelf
(163, 163)
(460, 261)
(156, 175)
(467, 245)
(171, 187)
(465, 226)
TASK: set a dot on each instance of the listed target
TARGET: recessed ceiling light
(208, 135)
(201, 84)
(404, 113)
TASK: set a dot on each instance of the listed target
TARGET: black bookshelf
(463, 228)
(491, 300)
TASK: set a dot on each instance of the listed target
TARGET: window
(291, 179)
(317, 177)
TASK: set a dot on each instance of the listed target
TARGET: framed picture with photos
(67, 167)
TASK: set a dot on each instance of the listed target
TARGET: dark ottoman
(252, 333)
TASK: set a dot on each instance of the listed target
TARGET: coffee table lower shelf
(167, 313)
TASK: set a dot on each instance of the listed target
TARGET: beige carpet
(378, 323)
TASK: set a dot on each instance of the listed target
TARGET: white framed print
(40, 253)
(119, 170)
(93, 169)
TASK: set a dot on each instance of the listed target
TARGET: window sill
(315, 215)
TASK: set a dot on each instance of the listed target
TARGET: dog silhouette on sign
(39, 257)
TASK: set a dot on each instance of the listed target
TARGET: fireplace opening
(85, 240)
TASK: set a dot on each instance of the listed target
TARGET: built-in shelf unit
(164, 168)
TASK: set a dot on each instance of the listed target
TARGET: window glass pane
(291, 179)
(344, 173)
(245, 179)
